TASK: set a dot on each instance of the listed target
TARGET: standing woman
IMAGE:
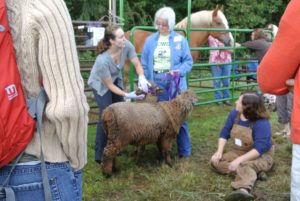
(215, 57)
(166, 60)
(106, 78)
(259, 43)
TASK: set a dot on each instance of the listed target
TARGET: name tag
(177, 38)
(238, 142)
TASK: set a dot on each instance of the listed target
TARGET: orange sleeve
(282, 60)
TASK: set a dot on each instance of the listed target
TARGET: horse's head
(219, 21)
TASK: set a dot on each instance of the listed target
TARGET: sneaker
(285, 131)
(227, 103)
(98, 161)
(239, 195)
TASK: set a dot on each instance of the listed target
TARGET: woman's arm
(143, 83)
(112, 87)
(107, 81)
(145, 57)
(186, 59)
(137, 65)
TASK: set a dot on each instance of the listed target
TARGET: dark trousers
(103, 102)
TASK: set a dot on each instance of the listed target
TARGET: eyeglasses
(161, 24)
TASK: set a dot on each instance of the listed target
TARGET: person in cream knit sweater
(47, 58)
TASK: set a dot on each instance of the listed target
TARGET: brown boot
(239, 195)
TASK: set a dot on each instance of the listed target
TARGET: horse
(201, 19)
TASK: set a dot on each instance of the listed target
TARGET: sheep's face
(187, 99)
(189, 95)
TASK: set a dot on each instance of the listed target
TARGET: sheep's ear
(159, 90)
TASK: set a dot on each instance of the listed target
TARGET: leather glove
(143, 83)
(132, 95)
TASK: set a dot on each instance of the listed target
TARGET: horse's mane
(201, 19)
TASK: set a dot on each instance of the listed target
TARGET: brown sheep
(144, 123)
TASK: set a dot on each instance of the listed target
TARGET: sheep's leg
(166, 147)
(160, 155)
(139, 151)
(109, 159)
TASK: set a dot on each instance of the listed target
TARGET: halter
(174, 77)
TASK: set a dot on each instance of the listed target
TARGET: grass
(189, 179)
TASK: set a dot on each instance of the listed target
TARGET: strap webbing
(36, 109)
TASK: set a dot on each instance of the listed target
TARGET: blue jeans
(183, 139)
(218, 71)
(284, 106)
(103, 102)
(26, 182)
(295, 173)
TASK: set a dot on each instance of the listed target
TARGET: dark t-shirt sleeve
(254, 45)
(225, 132)
(262, 136)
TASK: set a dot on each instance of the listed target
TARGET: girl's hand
(216, 158)
(234, 165)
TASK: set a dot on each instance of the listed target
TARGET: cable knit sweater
(46, 56)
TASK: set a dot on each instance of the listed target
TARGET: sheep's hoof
(160, 158)
(169, 164)
(115, 170)
(107, 175)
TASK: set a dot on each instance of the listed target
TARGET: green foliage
(240, 13)
(257, 14)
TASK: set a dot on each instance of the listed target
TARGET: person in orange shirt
(277, 69)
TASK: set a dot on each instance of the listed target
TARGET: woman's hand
(290, 84)
(132, 95)
(143, 83)
(174, 72)
(216, 158)
(234, 164)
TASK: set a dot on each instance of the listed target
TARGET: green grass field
(189, 179)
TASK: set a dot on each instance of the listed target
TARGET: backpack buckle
(2, 28)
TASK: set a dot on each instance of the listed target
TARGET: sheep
(144, 123)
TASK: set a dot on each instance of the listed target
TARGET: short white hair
(166, 13)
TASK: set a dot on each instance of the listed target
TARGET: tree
(240, 13)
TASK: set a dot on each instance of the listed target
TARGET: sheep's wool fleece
(46, 55)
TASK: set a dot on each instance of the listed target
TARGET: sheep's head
(187, 99)
(153, 90)
(189, 95)
(151, 96)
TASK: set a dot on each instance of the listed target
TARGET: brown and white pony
(201, 19)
